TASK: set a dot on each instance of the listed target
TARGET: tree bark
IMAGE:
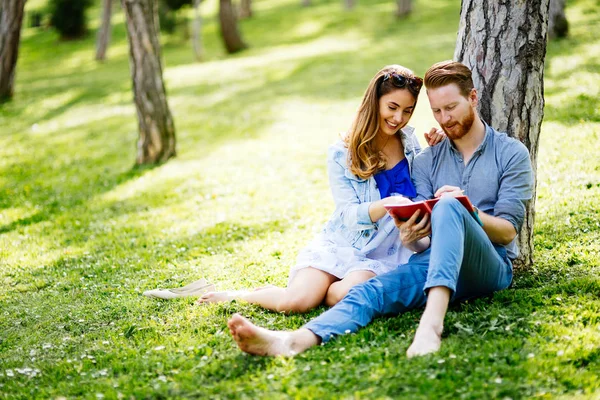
(504, 44)
(245, 9)
(306, 3)
(197, 32)
(156, 141)
(404, 8)
(229, 27)
(558, 26)
(349, 4)
(104, 31)
(11, 19)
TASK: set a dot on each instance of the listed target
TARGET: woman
(368, 168)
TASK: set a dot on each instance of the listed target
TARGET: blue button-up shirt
(498, 178)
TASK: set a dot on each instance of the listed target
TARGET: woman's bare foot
(428, 339)
(222, 297)
(259, 341)
(267, 286)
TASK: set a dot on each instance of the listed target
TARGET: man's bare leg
(428, 337)
(255, 340)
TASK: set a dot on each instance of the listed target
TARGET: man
(463, 259)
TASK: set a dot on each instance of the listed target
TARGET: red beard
(460, 128)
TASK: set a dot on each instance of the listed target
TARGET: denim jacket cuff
(363, 219)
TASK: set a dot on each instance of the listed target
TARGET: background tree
(156, 129)
(558, 26)
(11, 19)
(404, 8)
(306, 3)
(245, 9)
(349, 4)
(197, 32)
(68, 17)
(510, 84)
(229, 27)
(104, 31)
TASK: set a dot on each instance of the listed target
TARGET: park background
(83, 233)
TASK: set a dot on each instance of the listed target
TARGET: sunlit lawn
(82, 233)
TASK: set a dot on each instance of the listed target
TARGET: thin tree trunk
(349, 4)
(245, 9)
(558, 26)
(229, 27)
(505, 45)
(306, 3)
(11, 19)
(197, 32)
(104, 31)
(404, 8)
(156, 142)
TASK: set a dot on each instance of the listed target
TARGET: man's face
(454, 112)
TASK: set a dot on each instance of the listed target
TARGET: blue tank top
(395, 180)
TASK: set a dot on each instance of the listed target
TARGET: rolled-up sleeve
(516, 185)
(348, 208)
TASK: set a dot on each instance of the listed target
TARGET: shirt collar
(488, 133)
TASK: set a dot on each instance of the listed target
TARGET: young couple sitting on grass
(365, 263)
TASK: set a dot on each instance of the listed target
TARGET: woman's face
(395, 109)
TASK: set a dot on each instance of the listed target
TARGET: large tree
(229, 27)
(11, 19)
(156, 129)
(104, 31)
(504, 43)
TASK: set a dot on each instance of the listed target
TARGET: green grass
(82, 233)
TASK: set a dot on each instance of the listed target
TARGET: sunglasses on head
(401, 82)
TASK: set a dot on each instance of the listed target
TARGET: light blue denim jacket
(353, 195)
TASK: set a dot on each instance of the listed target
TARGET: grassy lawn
(83, 234)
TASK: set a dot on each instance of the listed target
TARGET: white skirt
(327, 253)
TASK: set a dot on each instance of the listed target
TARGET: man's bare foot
(428, 339)
(221, 297)
(259, 341)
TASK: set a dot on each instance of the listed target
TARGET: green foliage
(68, 17)
(82, 233)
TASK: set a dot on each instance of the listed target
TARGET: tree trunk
(404, 8)
(349, 4)
(305, 3)
(504, 44)
(229, 28)
(104, 31)
(157, 133)
(11, 19)
(558, 26)
(197, 32)
(245, 9)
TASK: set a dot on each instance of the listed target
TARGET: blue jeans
(461, 257)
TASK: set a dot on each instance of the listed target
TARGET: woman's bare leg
(428, 337)
(305, 292)
(338, 290)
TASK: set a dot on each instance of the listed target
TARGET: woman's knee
(291, 303)
(335, 293)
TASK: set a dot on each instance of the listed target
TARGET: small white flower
(498, 380)
(46, 346)
(347, 331)
(159, 348)
(441, 361)
(162, 378)
(530, 355)
(10, 373)
(560, 353)
(270, 376)
(99, 396)
(452, 356)
(307, 368)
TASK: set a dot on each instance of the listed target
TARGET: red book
(405, 211)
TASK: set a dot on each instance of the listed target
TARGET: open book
(405, 211)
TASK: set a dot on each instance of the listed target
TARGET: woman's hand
(434, 136)
(448, 190)
(412, 233)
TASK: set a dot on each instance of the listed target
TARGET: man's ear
(473, 97)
